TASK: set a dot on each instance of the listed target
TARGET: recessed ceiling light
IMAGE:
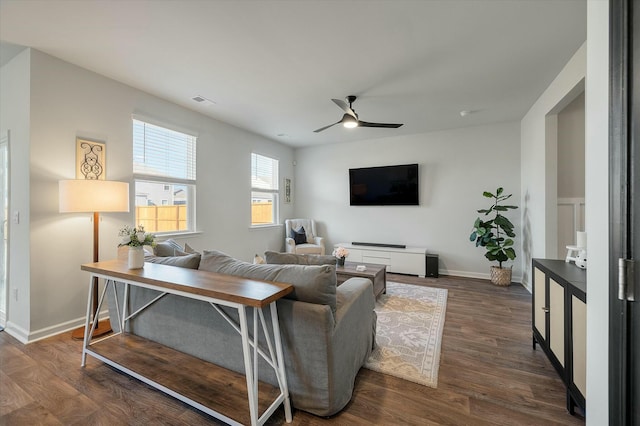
(465, 112)
(203, 101)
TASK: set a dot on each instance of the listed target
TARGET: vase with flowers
(341, 254)
(136, 238)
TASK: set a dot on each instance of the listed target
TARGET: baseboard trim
(479, 275)
(26, 337)
(17, 332)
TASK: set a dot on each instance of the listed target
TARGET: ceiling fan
(350, 118)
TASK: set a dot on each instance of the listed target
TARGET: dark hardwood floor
(489, 375)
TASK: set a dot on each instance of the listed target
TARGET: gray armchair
(308, 242)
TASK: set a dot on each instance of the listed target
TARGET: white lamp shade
(93, 196)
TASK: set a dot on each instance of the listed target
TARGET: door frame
(621, 175)
(5, 137)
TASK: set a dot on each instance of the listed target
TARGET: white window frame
(190, 184)
(274, 191)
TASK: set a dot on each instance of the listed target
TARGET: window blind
(264, 173)
(158, 151)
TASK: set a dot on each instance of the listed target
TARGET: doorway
(571, 174)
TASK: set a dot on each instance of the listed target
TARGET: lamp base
(104, 327)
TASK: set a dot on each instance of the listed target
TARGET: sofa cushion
(311, 283)
(274, 257)
(166, 248)
(299, 235)
(191, 261)
(189, 249)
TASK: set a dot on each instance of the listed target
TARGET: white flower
(341, 252)
(135, 237)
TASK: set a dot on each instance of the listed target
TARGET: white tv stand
(409, 260)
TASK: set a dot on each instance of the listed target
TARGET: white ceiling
(273, 66)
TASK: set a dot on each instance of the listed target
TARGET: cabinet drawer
(579, 331)
(408, 263)
(372, 258)
(556, 320)
(539, 302)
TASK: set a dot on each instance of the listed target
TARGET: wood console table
(218, 290)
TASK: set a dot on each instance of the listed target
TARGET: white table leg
(255, 358)
(281, 371)
(125, 306)
(85, 342)
(248, 370)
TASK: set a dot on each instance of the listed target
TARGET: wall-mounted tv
(384, 186)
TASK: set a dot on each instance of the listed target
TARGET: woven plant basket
(501, 276)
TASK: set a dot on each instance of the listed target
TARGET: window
(164, 170)
(264, 190)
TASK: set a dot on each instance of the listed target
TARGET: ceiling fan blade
(386, 125)
(343, 106)
(326, 127)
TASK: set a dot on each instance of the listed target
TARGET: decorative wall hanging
(90, 159)
(288, 190)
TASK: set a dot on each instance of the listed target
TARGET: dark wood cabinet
(559, 322)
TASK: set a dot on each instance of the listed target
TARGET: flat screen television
(384, 186)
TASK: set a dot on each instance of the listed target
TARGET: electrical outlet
(16, 217)
(15, 294)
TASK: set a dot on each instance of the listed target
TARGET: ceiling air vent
(204, 101)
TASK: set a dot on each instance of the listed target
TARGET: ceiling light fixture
(349, 121)
(464, 113)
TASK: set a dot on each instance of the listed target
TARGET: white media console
(409, 260)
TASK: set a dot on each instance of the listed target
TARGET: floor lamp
(95, 196)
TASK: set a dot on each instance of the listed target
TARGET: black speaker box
(432, 265)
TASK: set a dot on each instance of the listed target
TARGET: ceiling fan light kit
(350, 119)
(349, 122)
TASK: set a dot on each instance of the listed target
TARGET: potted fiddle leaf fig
(495, 233)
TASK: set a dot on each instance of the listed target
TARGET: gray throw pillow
(191, 261)
(311, 283)
(166, 248)
(189, 249)
(274, 257)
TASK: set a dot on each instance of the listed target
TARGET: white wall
(68, 101)
(597, 211)
(571, 161)
(456, 166)
(539, 163)
(14, 117)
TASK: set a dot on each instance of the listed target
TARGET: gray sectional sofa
(327, 332)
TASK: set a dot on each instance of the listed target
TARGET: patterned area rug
(409, 333)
